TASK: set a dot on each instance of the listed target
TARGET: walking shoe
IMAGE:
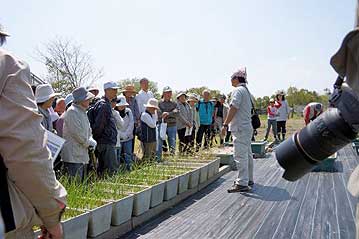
(250, 184)
(238, 188)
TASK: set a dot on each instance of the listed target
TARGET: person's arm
(181, 115)
(136, 110)
(74, 127)
(23, 148)
(277, 104)
(288, 109)
(129, 128)
(269, 111)
(150, 121)
(232, 111)
(118, 119)
(175, 111)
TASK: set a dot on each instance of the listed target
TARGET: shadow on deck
(316, 206)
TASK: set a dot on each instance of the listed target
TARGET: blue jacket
(104, 126)
(205, 110)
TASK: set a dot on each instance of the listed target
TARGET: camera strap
(5, 203)
(337, 91)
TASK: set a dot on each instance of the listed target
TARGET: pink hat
(242, 72)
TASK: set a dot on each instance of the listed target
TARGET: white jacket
(119, 125)
(77, 133)
(125, 133)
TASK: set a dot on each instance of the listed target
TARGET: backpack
(256, 122)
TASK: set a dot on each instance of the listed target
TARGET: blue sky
(194, 43)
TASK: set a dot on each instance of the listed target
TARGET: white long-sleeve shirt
(142, 97)
(125, 133)
(149, 120)
(119, 124)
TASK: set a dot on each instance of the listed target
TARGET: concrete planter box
(100, 220)
(122, 210)
(211, 169)
(258, 149)
(193, 178)
(217, 163)
(183, 181)
(171, 188)
(203, 176)
(142, 201)
(184, 164)
(76, 227)
(157, 194)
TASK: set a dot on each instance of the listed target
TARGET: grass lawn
(293, 124)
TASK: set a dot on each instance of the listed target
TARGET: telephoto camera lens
(314, 143)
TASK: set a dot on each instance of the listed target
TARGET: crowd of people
(100, 135)
(101, 132)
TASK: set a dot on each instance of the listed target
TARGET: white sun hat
(152, 103)
(44, 92)
(121, 101)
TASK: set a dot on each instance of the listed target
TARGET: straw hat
(121, 101)
(129, 88)
(44, 92)
(152, 103)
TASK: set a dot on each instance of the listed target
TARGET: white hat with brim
(44, 92)
(152, 103)
(121, 101)
(180, 94)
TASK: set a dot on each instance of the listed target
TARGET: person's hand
(92, 143)
(54, 232)
(189, 125)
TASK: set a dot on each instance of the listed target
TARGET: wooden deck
(317, 206)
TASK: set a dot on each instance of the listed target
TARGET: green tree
(136, 83)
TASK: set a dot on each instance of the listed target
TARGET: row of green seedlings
(94, 192)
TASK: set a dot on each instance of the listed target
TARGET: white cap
(44, 93)
(110, 85)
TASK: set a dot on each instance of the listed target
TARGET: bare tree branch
(68, 66)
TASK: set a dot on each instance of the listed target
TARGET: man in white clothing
(239, 120)
(144, 95)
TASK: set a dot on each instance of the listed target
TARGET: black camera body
(321, 138)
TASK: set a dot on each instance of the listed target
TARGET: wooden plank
(325, 223)
(319, 206)
(270, 224)
(302, 227)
